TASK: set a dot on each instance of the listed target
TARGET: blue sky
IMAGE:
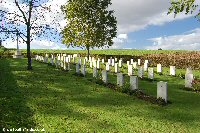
(141, 37)
(141, 25)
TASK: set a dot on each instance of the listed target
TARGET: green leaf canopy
(89, 24)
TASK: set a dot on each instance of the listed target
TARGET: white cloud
(187, 41)
(122, 36)
(43, 44)
(119, 41)
(134, 15)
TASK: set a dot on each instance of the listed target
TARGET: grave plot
(112, 75)
(80, 102)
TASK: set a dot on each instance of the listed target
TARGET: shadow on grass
(70, 99)
(14, 113)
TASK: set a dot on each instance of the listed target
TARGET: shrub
(196, 84)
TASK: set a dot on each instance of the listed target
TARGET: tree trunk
(29, 67)
(88, 52)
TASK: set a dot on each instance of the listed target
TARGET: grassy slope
(58, 101)
(108, 52)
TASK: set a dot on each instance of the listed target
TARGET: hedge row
(180, 60)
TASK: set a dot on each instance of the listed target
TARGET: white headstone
(90, 64)
(139, 61)
(95, 72)
(62, 58)
(145, 66)
(128, 63)
(131, 61)
(44, 59)
(120, 79)
(79, 61)
(130, 70)
(51, 61)
(109, 61)
(120, 63)
(93, 58)
(188, 80)
(150, 73)
(113, 62)
(46, 55)
(90, 59)
(58, 63)
(159, 68)
(95, 63)
(140, 72)
(66, 59)
(162, 90)
(98, 64)
(84, 61)
(135, 65)
(104, 76)
(107, 67)
(52, 56)
(63, 64)
(75, 55)
(68, 67)
(58, 57)
(102, 61)
(69, 58)
(189, 70)
(133, 82)
(83, 70)
(77, 68)
(172, 70)
(116, 68)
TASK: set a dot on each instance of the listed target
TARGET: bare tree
(30, 19)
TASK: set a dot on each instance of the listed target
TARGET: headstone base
(18, 54)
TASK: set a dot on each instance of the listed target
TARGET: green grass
(108, 52)
(58, 101)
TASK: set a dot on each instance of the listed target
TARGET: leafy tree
(89, 24)
(187, 6)
(29, 20)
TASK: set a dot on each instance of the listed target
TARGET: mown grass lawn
(58, 101)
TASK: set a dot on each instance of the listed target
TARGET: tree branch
(22, 37)
(30, 11)
(17, 4)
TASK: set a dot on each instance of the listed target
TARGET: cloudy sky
(142, 24)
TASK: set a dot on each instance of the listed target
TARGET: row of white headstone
(161, 86)
(60, 60)
(111, 62)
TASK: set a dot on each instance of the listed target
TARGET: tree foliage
(187, 6)
(89, 24)
(29, 19)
